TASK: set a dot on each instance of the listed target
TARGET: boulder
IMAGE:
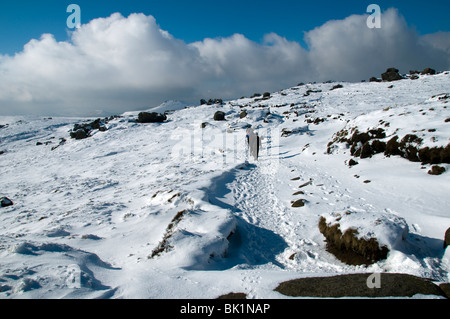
(80, 134)
(299, 203)
(145, 117)
(352, 162)
(5, 202)
(356, 285)
(219, 116)
(391, 74)
(429, 71)
(211, 102)
(361, 237)
(447, 238)
(436, 170)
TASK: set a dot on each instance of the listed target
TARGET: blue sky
(194, 20)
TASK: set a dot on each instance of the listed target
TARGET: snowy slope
(178, 209)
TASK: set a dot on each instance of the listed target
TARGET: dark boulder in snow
(219, 116)
(145, 117)
(299, 203)
(5, 202)
(356, 285)
(82, 131)
(447, 238)
(436, 170)
(362, 238)
(391, 74)
(211, 102)
(80, 134)
(429, 71)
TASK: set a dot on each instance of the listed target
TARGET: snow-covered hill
(179, 210)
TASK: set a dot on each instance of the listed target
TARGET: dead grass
(164, 246)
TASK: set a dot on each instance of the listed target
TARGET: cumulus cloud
(118, 64)
(348, 50)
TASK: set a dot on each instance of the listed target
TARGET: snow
(88, 214)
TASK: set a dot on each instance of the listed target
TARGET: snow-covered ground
(179, 210)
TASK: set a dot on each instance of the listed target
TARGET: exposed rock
(299, 203)
(360, 237)
(429, 71)
(219, 116)
(234, 295)
(436, 170)
(145, 117)
(391, 74)
(447, 238)
(337, 86)
(79, 134)
(352, 162)
(5, 202)
(355, 285)
(211, 102)
(348, 248)
(82, 131)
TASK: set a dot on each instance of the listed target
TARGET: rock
(362, 238)
(299, 203)
(211, 102)
(436, 170)
(219, 116)
(445, 287)
(378, 146)
(366, 151)
(391, 74)
(243, 114)
(352, 162)
(80, 134)
(5, 202)
(429, 71)
(374, 79)
(234, 295)
(337, 86)
(145, 117)
(355, 285)
(84, 130)
(447, 238)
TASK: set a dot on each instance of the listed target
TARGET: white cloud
(347, 49)
(118, 64)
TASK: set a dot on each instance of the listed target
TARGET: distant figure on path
(253, 142)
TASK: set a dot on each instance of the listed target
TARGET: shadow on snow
(249, 245)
